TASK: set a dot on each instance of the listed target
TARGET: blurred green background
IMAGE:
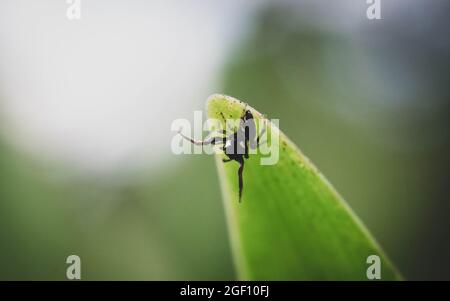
(369, 106)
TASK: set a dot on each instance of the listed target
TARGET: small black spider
(236, 145)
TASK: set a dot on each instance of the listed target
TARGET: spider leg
(260, 134)
(245, 109)
(246, 146)
(241, 182)
(212, 140)
(226, 160)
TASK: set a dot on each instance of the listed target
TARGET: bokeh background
(86, 107)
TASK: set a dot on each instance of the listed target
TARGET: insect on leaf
(291, 223)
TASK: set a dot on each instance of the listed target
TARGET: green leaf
(291, 223)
